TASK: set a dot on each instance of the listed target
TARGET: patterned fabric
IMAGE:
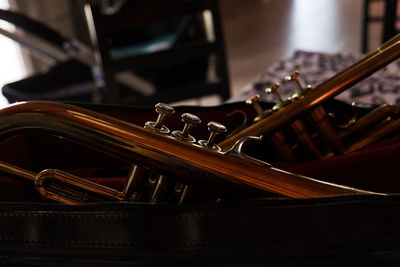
(381, 87)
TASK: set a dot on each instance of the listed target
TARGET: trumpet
(307, 105)
(153, 148)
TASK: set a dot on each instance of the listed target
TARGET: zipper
(126, 206)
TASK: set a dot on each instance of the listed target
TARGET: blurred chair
(70, 76)
(388, 20)
(159, 51)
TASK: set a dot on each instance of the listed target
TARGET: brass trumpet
(308, 102)
(197, 164)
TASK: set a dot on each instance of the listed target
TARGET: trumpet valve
(254, 101)
(190, 120)
(302, 89)
(294, 77)
(274, 89)
(215, 128)
(282, 102)
(163, 110)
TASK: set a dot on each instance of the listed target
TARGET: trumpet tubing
(195, 165)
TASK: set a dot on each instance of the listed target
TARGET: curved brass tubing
(162, 154)
(369, 120)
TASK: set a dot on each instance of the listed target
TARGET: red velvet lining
(372, 168)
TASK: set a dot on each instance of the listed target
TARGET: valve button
(255, 102)
(190, 120)
(215, 128)
(163, 110)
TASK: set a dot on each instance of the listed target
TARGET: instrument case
(270, 230)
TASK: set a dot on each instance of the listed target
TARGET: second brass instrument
(310, 100)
